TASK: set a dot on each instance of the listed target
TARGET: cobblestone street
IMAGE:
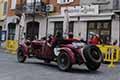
(34, 69)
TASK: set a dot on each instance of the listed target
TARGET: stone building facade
(85, 16)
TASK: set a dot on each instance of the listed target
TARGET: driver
(71, 38)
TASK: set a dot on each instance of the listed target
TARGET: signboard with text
(81, 10)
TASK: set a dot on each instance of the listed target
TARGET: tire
(64, 62)
(21, 56)
(93, 57)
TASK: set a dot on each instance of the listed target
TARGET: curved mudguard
(82, 54)
(70, 53)
(25, 48)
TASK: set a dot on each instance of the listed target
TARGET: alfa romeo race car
(65, 55)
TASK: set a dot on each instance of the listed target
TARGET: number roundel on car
(56, 51)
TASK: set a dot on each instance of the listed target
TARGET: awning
(105, 16)
(102, 16)
(61, 18)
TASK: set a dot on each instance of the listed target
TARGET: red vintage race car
(64, 54)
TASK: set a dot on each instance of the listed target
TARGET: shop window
(71, 26)
(91, 25)
(106, 25)
(11, 31)
(58, 27)
(103, 28)
(99, 25)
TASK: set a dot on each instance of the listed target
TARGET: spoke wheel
(64, 62)
(21, 56)
(93, 57)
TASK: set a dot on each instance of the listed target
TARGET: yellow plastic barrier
(111, 54)
(12, 45)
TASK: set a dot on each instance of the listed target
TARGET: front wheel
(64, 62)
(21, 56)
(93, 57)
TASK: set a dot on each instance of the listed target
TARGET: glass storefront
(59, 27)
(102, 28)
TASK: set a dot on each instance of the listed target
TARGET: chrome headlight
(78, 45)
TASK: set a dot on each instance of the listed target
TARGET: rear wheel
(64, 62)
(21, 56)
(93, 57)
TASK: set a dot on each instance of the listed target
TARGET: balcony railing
(29, 9)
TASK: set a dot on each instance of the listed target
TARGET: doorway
(32, 30)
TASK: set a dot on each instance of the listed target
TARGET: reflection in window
(31, 1)
(99, 25)
(106, 25)
(91, 25)
(103, 28)
(58, 27)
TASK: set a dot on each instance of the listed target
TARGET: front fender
(25, 48)
(70, 53)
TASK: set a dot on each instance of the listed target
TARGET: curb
(7, 51)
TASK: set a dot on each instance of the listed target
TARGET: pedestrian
(79, 34)
(98, 39)
(94, 40)
(115, 43)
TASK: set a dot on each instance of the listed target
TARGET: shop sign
(81, 10)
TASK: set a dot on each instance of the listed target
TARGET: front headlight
(78, 45)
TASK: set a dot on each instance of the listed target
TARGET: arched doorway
(32, 30)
